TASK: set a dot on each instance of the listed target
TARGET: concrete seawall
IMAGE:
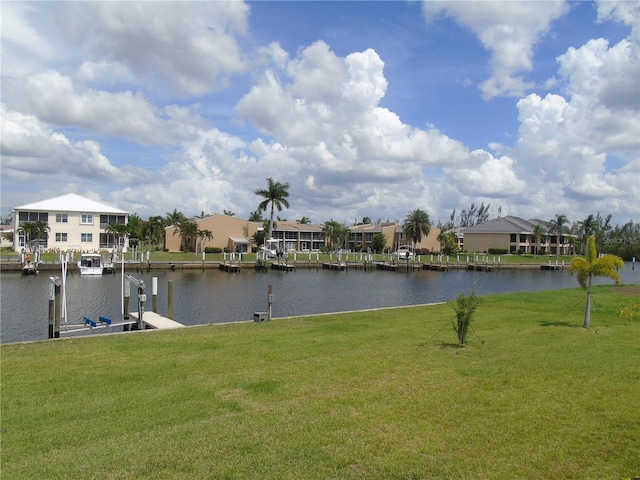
(52, 266)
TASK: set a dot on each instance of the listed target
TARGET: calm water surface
(212, 296)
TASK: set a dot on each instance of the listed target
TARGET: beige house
(75, 224)
(231, 233)
(361, 237)
(515, 235)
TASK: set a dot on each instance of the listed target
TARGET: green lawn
(372, 395)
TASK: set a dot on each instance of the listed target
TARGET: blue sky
(365, 108)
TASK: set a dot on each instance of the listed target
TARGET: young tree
(591, 266)
(464, 307)
(276, 195)
(415, 225)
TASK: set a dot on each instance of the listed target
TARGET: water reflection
(211, 296)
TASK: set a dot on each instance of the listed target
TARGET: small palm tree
(276, 195)
(591, 266)
(154, 229)
(304, 220)
(34, 231)
(202, 235)
(416, 224)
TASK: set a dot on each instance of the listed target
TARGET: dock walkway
(153, 320)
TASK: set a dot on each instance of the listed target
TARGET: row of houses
(80, 224)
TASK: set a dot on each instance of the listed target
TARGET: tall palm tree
(415, 225)
(276, 195)
(591, 266)
(586, 228)
(556, 227)
(538, 235)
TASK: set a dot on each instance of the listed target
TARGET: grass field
(372, 395)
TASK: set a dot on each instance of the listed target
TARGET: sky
(366, 109)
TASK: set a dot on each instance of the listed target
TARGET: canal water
(212, 296)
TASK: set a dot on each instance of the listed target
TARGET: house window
(523, 238)
(513, 238)
(86, 237)
(62, 218)
(33, 217)
(86, 219)
(61, 237)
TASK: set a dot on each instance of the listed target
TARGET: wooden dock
(230, 267)
(283, 267)
(153, 320)
(334, 266)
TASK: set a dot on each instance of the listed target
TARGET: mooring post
(269, 301)
(154, 294)
(170, 299)
(56, 327)
(54, 283)
(127, 296)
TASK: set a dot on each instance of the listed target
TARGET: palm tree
(335, 234)
(276, 195)
(174, 218)
(117, 230)
(228, 213)
(202, 235)
(188, 232)
(538, 235)
(591, 266)
(415, 225)
(255, 216)
(586, 228)
(304, 220)
(448, 242)
(34, 231)
(154, 229)
(556, 226)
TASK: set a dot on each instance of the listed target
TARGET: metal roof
(508, 224)
(70, 202)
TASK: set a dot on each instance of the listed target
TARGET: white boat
(93, 264)
(404, 252)
(270, 248)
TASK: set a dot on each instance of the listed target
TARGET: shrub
(498, 251)
(464, 307)
(212, 250)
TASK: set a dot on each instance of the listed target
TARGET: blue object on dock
(90, 322)
(105, 320)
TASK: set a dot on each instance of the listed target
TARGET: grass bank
(371, 395)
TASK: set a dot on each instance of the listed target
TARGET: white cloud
(53, 97)
(188, 46)
(489, 177)
(509, 30)
(32, 151)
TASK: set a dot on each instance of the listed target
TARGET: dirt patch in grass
(631, 290)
